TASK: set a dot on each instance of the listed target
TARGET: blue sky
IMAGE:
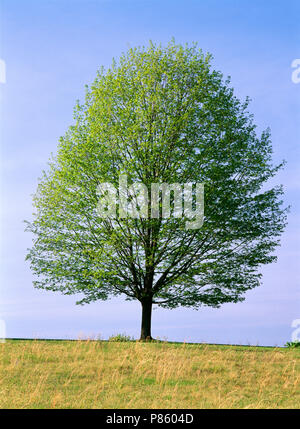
(51, 50)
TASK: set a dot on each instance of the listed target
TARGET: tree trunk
(146, 320)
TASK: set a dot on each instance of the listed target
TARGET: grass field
(101, 374)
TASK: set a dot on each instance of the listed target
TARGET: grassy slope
(96, 374)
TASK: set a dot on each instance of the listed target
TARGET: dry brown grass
(98, 374)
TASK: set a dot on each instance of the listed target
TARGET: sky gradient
(51, 50)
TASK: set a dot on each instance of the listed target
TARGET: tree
(159, 115)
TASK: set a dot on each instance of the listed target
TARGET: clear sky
(51, 50)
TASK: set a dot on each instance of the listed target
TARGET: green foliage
(161, 114)
(120, 338)
(292, 344)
